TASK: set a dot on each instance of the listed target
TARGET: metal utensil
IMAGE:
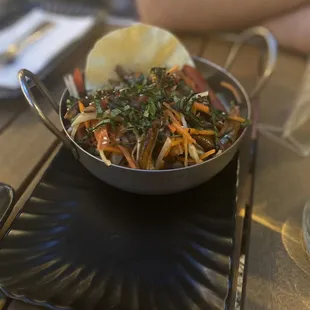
(15, 48)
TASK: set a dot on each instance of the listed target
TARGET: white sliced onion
(184, 123)
(71, 86)
(73, 131)
(139, 147)
(204, 94)
(104, 159)
(199, 151)
(193, 153)
(167, 145)
(134, 150)
(84, 117)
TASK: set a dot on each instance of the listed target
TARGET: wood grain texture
(9, 110)
(279, 271)
(26, 140)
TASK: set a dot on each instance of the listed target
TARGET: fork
(15, 48)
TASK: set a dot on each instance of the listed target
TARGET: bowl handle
(25, 74)
(6, 202)
(272, 46)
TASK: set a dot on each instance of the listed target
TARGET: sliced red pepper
(79, 81)
(104, 103)
(196, 77)
(143, 99)
(102, 137)
(201, 85)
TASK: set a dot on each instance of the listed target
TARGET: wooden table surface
(278, 271)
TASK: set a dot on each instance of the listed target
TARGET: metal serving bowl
(159, 182)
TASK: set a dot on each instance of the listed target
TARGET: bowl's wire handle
(25, 74)
(272, 52)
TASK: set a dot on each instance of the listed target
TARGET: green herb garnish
(99, 108)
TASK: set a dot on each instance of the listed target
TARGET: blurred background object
(123, 8)
(294, 132)
(73, 21)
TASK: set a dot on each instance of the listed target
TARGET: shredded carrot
(173, 69)
(111, 148)
(233, 90)
(207, 154)
(176, 141)
(81, 106)
(207, 132)
(172, 128)
(171, 115)
(184, 132)
(130, 160)
(175, 113)
(237, 119)
(201, 107)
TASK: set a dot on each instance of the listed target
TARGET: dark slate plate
(80, 243)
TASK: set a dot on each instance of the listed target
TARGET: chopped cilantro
(99, 108)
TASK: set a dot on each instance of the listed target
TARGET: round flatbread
(137, 48)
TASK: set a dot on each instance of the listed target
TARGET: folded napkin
(35, 57)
